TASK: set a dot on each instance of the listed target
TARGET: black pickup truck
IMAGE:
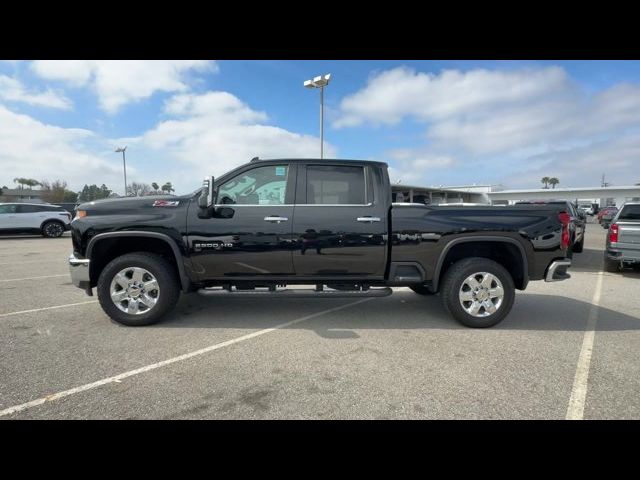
(325, 226)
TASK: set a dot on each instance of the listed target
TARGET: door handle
(275, 219)
(368, 219)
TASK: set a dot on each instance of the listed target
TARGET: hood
(126, 203)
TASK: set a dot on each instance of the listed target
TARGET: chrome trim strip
(553, 267)
(234, 205)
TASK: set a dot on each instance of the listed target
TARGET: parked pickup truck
(623, 240)
(325, 226)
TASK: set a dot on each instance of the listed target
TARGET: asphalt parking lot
(567, 349)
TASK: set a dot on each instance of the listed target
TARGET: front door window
(259, 186)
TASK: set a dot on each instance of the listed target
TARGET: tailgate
(629, 232)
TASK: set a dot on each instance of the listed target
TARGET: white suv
(48, 220)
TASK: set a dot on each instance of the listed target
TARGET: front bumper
(558, 270)
(79, 268)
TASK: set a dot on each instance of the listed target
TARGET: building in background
(498, 195)
(601, 196)
(21, 195)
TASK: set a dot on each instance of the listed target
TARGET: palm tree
(155, 187)
(167, 187)
(29, 182)
(554, 181)
(545, 180)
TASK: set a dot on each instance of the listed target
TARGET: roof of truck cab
(340, 161)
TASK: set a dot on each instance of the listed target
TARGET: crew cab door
(251, 234)
(340, 225)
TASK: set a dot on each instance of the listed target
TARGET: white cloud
(498, 122)
(12, 90)
(402, 92)
(118, 82)
(410, 166)
(583, 166)
(210, 134)
(29, 148)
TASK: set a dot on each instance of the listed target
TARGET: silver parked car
(623, 239)
(44, 219)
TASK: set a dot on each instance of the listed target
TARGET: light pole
(320, 82)
(124, 164)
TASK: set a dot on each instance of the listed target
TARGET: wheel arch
(120, 243)
(515, 263)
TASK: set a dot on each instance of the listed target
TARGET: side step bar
(297, 293)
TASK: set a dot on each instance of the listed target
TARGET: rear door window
(28, 209)
(335, 185)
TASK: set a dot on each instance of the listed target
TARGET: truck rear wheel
(478, 292)
(611, 266)
(138, 289)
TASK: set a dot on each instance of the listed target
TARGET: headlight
(80, 214)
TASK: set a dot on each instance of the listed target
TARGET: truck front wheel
(138, 289)
(478, 292)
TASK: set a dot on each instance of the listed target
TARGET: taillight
(564, 219)
(613, 233)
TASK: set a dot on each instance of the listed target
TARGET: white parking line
(33, 261)
(164, 363)
(575, 411)
(34, 278)
(46, 308)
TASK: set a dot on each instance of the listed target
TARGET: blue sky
(434, 122)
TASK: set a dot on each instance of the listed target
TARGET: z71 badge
(166, 203)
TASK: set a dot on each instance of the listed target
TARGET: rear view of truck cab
(623, 239)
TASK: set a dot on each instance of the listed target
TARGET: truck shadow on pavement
(400, 311)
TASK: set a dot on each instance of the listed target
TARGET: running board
(297, 293)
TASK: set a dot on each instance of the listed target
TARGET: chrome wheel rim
(53, 229)
(134, 290)
(481, 294)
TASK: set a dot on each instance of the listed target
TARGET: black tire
(611, 266)
(52, 229)
(161, 269)
(453, 281)
(578, 247)
(421, 290)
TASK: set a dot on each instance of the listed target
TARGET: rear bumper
(621, 254)
(79, 269)
(557, 270)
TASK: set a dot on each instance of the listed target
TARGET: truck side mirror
(205, 200)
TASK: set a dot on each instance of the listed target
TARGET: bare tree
(57, 192)
(135, 189)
